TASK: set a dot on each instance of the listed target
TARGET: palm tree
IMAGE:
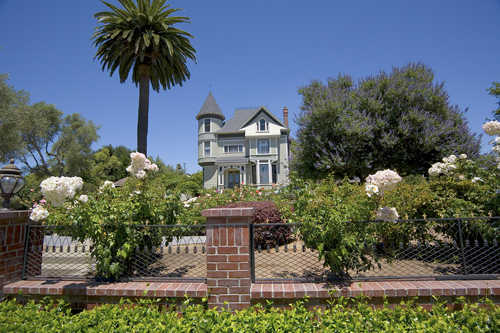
(142, 38)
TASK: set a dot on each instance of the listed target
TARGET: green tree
(72, 152)
(10, 102)
(494, 90)
(399, 120)
(109, 163)
(41, 138)
(141, 38)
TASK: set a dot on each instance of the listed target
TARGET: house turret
(210, 120)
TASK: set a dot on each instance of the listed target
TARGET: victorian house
(250, 148)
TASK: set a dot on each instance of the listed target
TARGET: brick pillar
(228, 257)
(12, 237)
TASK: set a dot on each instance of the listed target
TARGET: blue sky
(249, 53)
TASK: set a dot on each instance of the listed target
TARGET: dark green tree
(399, 120)
(141, 38)
(494, 90)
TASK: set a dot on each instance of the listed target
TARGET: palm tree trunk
(142, 121)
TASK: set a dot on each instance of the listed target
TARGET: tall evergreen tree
(401, 120)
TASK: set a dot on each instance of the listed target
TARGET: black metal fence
(454, 248)
(163, 252)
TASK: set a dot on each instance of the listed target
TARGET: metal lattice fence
(168, 251)
(426, 248)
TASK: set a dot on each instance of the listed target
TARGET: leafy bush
(189, 187)
(109, 218)
(266, 212)
(323, 214)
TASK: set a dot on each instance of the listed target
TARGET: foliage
(494, 90)
(324, 214)
(11, 101)
(109, 218)
(210, 198)
(189, 187)
(145, 316)
(141, 38)
(41, 138)
(266, 212)
(399, 120)
(109, 163)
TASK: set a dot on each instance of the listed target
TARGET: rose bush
(111, 217)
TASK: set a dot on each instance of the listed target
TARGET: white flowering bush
(382, 181)
(458, 168)
(140, 164)
(39, 213)
(110, 218)
(492, 128)
(58, 189)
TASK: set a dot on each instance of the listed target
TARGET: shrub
(189, 187)
(144, 316)
(266, 212)
(109, 218)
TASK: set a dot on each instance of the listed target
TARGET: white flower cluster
(38, 213)
(496, 145)
(381, 182)
(389, 214)
(447, 167)
(58, 189)
(139, 164)
(492, 128)
(187, 202)
(107, 184)
(371, 189)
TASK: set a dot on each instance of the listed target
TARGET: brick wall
(228, 276)
(12, 237)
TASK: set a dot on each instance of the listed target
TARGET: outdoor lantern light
(11, 182)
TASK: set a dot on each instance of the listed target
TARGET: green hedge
(407, 317)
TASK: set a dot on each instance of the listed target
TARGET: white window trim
(209, 149)
(258, 126)
(239, 151)
(268, 146)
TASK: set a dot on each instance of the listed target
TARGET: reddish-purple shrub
(266, 212)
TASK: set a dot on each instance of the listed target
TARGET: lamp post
(11, 182)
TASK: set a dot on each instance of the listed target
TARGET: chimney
(285, 116)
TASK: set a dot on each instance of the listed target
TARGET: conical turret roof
(210, 107)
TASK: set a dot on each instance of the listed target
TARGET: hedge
(125, 317)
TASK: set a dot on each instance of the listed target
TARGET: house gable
(263, 113)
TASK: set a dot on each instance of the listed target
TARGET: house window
(262, 125)
(263, 146)
(233, 149)
(207, 125)
(207, 148)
